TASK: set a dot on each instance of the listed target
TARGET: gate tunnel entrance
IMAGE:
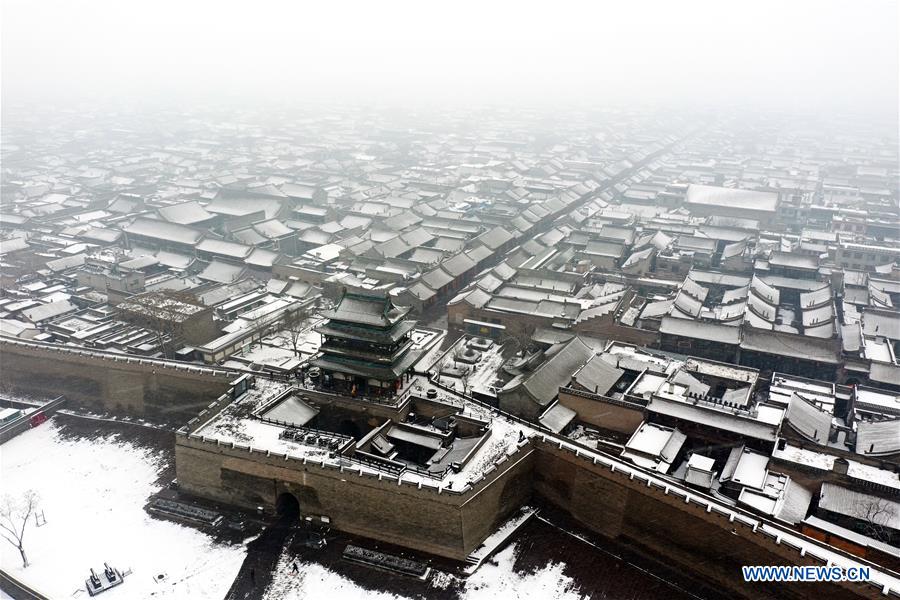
(287, 506)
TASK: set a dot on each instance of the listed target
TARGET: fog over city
(475, 300)
(803, 55)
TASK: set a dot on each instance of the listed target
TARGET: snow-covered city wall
(692, 530)
(107, 382)
(445, 519)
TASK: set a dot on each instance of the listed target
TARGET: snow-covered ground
(314, 582)
(499, 537)
(497, 579)
(482, 375)
(92, 493)
(266, 355)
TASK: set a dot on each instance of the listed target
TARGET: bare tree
(520, 340)
(14, 515)
(877, 513)
(465, 379)
(294, 324)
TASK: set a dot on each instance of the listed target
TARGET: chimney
(840, 466)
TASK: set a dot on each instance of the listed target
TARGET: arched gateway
(287, 506)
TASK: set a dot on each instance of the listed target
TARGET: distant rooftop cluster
(716, 303)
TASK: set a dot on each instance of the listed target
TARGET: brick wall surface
(111, 384)
(605, 415)
(664, 526)
(445, 523)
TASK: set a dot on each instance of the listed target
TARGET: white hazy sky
(793, 54)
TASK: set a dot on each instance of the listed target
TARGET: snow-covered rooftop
(239, 423)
